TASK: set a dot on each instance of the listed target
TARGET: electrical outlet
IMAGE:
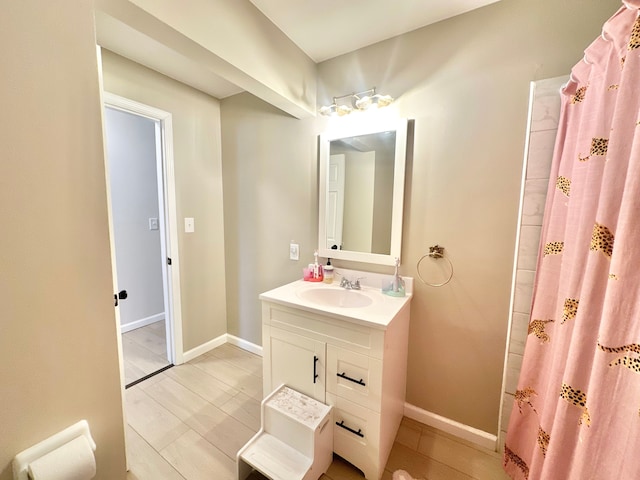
(294, 251)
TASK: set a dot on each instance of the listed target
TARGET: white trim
(204, 348)
(400, 126)
(143, 322)
(244, 344)
(533, 98)
(171, 215)
(460, 430)
(164, 243)
(131, 106)
(514, 272)
(173, 305)
(221, 340)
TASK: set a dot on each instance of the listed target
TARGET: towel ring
(435, 252)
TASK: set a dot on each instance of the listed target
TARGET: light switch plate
(294, 251)
(189, 225)
(153, 223)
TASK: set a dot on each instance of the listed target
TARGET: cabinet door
(298, 362)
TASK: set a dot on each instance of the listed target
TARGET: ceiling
(324, 29)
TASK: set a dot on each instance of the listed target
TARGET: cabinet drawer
(357, 438)
(354, 376)
(369, 341)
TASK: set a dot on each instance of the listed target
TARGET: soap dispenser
(328, 272)
(395, 288)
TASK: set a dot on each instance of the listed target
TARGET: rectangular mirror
(361, 192)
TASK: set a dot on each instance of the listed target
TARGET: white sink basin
(333, 297)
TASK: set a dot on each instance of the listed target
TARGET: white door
(335, 201)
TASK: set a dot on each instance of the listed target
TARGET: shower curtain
(576, 414)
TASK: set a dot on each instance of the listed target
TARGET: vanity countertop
(368, 306)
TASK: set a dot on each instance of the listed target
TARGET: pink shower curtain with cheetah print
(576, 414)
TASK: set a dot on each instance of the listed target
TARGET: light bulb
(363, 103)
(344, 110)
(329, 109)
(383, 100)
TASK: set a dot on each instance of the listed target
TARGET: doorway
(142, 201)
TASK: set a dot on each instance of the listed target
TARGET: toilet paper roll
(72, 461)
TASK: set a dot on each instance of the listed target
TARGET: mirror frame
(400, 127)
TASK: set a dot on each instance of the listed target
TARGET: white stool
(295, 441)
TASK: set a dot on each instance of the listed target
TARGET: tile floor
(144, 351)
(189, 421)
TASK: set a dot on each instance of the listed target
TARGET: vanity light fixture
(359, 101)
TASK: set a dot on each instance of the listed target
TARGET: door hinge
(168, 260)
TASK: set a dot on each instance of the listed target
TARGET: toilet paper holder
(23, 459)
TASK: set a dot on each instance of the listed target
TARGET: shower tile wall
(544, 126)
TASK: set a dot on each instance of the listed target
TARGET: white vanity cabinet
(343, 360)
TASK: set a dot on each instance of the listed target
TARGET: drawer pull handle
(315, 372)
(359, 382)
(358, 433)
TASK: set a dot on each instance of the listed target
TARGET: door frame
(168, 218)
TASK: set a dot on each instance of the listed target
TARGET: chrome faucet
(349, 285)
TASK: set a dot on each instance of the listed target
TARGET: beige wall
(270, 199)
(465, 81)
(198, 175)
(58, 338)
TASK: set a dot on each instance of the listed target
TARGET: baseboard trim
(221, 340)
(204, 348)
(460, 430)
(143, 322)
(244, 344)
